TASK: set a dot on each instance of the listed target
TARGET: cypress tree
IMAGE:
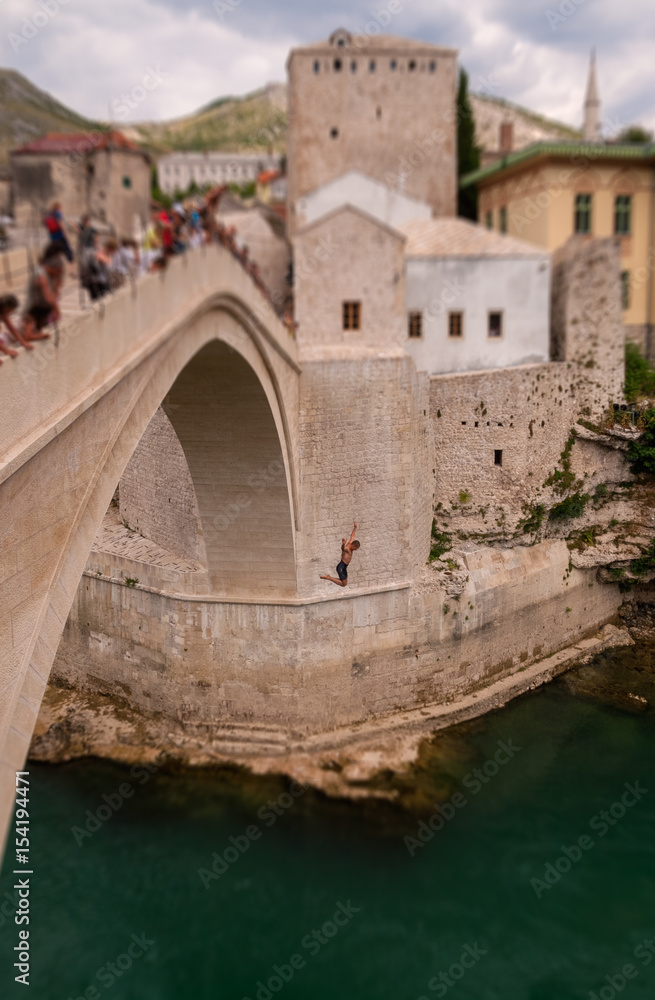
(468, 154)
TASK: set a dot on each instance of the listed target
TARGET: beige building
(384, 106)
(177, 171)
(101, 173)
(550, 191)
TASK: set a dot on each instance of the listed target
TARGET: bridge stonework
(285, 445)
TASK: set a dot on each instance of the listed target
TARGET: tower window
(411, 65)
(338, 65)
(490, 219)
(502, 219)
(334, 133)
(498, 457)
(352, 313)
(317, 66)
(415, 325)
(127, 182)
(582, 220)
(432, 67)
(625, 289)
(622, 214)
(371, 66)
(495, 324)
(353, 66)
(393, 64)
(456, 324)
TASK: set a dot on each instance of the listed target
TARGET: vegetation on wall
(639, 375)
(641, 453)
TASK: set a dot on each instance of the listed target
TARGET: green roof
(592, 150)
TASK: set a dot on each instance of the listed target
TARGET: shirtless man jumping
(347, 549)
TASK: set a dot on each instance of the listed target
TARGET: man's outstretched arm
(352, 533)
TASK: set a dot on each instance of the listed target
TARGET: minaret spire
(591, 126)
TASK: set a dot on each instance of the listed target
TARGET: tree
(468, 154)
(634, 133)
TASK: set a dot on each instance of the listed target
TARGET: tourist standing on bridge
(347, 549)
(11, 335)
(54, 223)
(42, 305)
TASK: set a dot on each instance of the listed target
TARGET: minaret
(591, 127)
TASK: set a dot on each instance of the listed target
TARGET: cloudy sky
(92, 55)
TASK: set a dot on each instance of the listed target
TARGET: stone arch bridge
(202, 339)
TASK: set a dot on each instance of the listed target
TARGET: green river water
(475, 889)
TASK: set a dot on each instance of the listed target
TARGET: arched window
(371, 66)
(393, 64)
(337, 65)
(317, 66)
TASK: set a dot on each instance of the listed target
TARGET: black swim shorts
(342, 571)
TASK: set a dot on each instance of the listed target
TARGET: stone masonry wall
(157, 496)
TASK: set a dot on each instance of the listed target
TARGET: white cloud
(90, 53)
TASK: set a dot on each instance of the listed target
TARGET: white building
(354, 188)
(176, 171)
(475, 299)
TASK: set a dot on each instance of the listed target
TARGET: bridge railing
(40, 390)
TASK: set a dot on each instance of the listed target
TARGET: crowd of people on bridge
(105, 265)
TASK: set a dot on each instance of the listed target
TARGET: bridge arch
(61, 492)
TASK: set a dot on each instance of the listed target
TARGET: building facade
(176, 171)
(551, 191)
(384, 106)
(100, 173)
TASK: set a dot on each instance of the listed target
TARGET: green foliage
(131, 581)
(573, 506)
(645, 563)
(441, 542)
(601, 490)
(468, 154)
(446, 608)
(464, 496)
(533, 519)
(635, 133)
(639, 375)
(641, 453)
(562, 479)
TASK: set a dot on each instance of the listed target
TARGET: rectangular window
(456, 324)
(490, 219)
(622, 214)
(502, 222)
(625, 289)
(352, 315)
(495, 324)
(498, 458)
(415, 325)
(582, 221)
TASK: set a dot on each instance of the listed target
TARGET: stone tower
(591, 126)
(381, 105)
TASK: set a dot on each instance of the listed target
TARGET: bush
(641, 453)
(573, 506)
(639, 374)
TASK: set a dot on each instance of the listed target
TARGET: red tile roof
(77, 142)
(269, 175)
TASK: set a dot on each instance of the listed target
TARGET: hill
(254, 122)
(27, 113)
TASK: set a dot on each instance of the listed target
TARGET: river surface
(390, 913)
